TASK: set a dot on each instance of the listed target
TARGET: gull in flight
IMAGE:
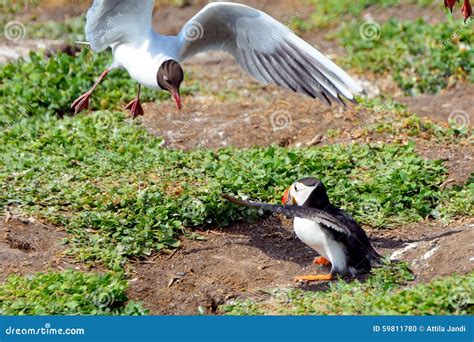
(268, 50)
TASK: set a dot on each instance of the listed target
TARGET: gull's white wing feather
(116, 21)
(267, 49)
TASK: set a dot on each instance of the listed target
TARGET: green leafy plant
(121, 194)
(422, 58)
(393, 120)
(332, 12)
(66, 293)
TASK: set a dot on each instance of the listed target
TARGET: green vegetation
(422, 58)
(70, 30)
(121, 194)
(66, 293)
(11, 8)
(394, 121)
(332, 12)
(380, 294)
(457, 202)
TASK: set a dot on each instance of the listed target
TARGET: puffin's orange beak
(286, 194)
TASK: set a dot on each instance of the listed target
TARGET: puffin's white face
(299, 193)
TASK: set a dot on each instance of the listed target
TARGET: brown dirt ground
(28, 246)
(245, 259)
(439, 106)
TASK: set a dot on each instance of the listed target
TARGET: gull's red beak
(284, 199)
(177, 98)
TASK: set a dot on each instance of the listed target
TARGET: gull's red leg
(467, 10)
(134, 106)
(82, 102)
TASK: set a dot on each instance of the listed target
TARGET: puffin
(334, 234)
(263, 47)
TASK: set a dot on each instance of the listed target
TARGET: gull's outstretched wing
(316, 215)
(267, 49)
(115, 21)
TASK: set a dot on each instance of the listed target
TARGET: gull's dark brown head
(169, 77)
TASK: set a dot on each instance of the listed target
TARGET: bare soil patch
(432, 248)
(458, 101)
(236, 110)
(28, 246)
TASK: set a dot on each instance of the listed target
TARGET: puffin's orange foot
(314, 277)
(321, 261)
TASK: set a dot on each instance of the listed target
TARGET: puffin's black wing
(361, 251)
(313, 214)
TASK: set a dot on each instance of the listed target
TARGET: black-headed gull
(262, 46)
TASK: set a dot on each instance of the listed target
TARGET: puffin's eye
(296, 188)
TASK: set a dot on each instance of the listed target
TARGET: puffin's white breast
(313, 235)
